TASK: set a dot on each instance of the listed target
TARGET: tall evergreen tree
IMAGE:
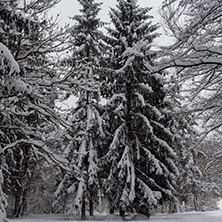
(140, 158)
(85, 135)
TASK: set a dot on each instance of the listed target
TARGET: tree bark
(91, 205)
(111, 210)
(129, 110)
(195, 202)
(17, 206)
(24, 202)
(83, 210)
(121, 212)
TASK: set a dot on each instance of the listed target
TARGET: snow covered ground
(211, 216)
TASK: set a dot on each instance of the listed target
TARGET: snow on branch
(165, 147)
(152, 196)
(153, 161)
(117, 97)
(8, 65)
(50, 156)
(119, 133)
(145, 121)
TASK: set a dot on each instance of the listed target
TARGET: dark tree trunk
(111, 211)
(24, 202)
(129, 110)
(121, 212)
(195, 202)
(91, 205)
(18, 200)
(83, 210)
(21, 181)
(25, 184)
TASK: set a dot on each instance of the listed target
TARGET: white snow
(213, 216)
(6, 54)
(210, 216)
(219, 204)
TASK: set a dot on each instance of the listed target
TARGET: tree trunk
(83, 210)
(195, 202)
(24, 202)
(111, 210)
(121, 212)
(26, 179)
(18, 200)
(91, 205)
(129, 111)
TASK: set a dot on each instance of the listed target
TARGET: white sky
(69, 8)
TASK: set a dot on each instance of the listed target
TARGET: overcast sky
(69, 8)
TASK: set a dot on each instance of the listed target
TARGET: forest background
(154, 146)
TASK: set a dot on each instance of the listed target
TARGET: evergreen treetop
(87, 34)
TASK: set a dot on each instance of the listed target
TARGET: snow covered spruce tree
(83, 149)
(28, 119)
(140, 160)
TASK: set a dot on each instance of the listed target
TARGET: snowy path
(213, 216)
